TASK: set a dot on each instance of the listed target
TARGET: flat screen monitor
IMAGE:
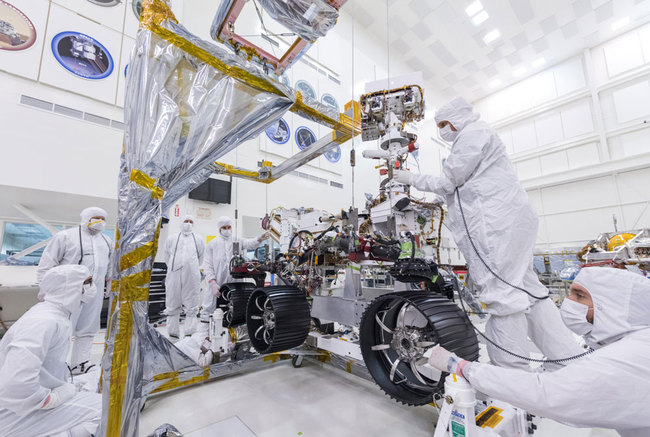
(212, 190)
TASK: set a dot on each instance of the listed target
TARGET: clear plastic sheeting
(309, 19)
(187, 103)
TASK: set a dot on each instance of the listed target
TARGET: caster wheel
(296, 361)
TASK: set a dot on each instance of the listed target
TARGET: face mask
(447, 134)
(187, 227)
(88, 293)
(226, 233)
(574, 316)
(97, 225)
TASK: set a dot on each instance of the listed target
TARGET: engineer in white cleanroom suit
(85, 245)
(183, 256)
(503, 227)
(217, 262)
(608, 388)
(36, 398)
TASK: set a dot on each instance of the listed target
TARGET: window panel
(19, 236)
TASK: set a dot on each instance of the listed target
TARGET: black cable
(296, 235)
(81, 247)
(462, 214)
(533, 360)
(322, 234)
(385, 242)
(175, 250)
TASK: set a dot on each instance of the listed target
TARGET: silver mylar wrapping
(309, 19)
(180, 114)
(220, 16)
(320, 108)
(166, 430)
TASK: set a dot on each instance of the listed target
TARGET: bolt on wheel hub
(405, 343)
(269, 319)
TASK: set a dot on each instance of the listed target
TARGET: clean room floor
(312, 401)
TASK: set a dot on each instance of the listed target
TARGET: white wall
(578, 134)
(53, 152)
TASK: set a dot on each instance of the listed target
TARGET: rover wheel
(396, 331)
(233, 301)
(278, 318)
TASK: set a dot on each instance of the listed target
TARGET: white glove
(403, 177)
(205, 359)
(446, 361)
(58, 396)
(214, 288)
(265, 236)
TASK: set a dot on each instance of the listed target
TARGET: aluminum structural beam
(269, 173)
(304, 156)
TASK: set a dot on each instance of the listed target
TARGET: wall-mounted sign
(82, 55)
(278, 132)
(333, 155)
(306, 89)
(106, 2)
(304, 137)
(329, 100)
(16, 30)
(203, 213)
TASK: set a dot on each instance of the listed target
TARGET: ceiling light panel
(474, 8)
(480, 18)
(491, 36)
(539, 62)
